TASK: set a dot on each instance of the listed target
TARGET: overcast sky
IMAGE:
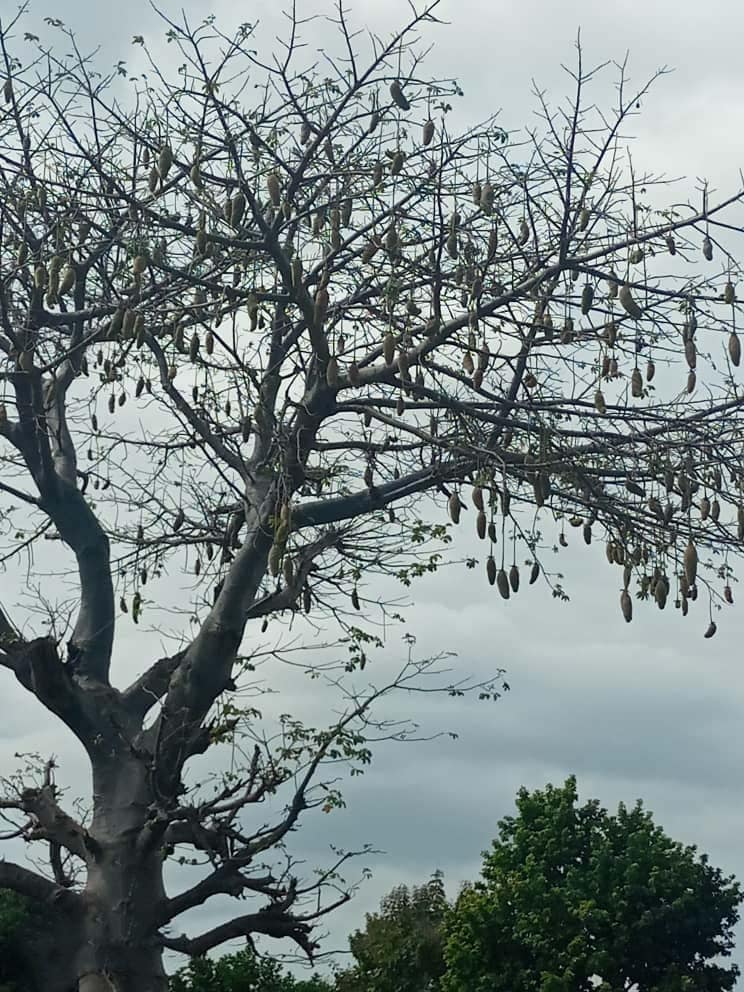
(649, 710)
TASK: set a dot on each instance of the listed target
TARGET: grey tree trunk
(124, 885)
(116, 943)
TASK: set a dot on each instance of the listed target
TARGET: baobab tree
(338, 324)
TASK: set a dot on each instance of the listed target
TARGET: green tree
(30, 944)
(400, 948)
(571, 893)
(241, 972)
(14, 916)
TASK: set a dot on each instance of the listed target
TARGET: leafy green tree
(14, 912)
(400, 948)
(571, 894)
(241, 972)
(29, 944)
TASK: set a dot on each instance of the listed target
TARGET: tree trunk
(46, 955)
(117, 951)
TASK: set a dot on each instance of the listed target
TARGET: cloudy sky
(649, 710)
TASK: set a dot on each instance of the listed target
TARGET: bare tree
(331, 314)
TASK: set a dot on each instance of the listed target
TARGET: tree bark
(124, 883)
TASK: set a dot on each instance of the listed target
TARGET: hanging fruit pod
(66, 280)
(274, 188)
(636, 383)
(236, 208)
(502, 582)
(399, 99)
(629, 304)
(388, 348)
(690, 562)
(587, 298)
(396, 164)
(165, 160)
(454, 506)
(626, 605)
(734, 348)
(690, 353)
(486, 200)
(514, 578)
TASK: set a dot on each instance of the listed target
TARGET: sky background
(649, 710)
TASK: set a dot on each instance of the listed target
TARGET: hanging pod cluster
(507, 583)
(688, 337)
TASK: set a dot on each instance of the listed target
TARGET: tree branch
(225, 880)
(151, 686)
(53, 823)
(270, 923)
(330, 511)
(38, 668)
(28, 883)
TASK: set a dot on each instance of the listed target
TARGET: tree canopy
(31, 943)
(570, 893)
(273, 325)
(401, 947)
(571, 899)
(241, 972)
(14, 915)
